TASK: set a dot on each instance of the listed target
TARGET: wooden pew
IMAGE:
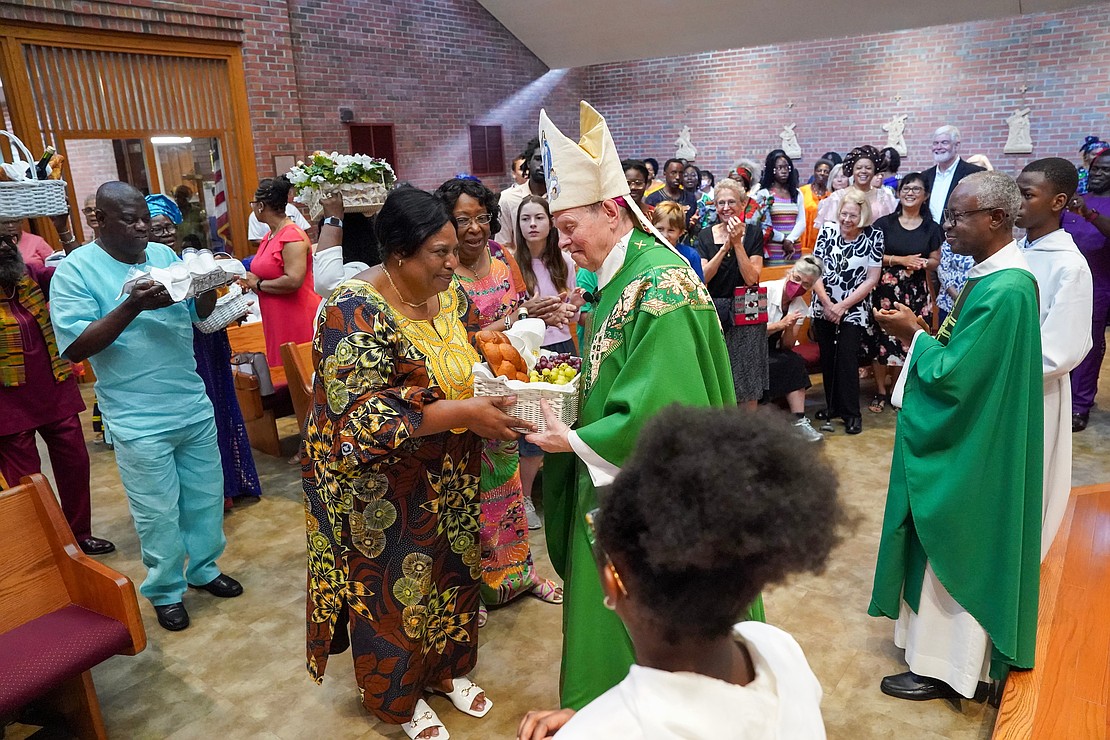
(249, 338)
(260, 413)
(61, 613)
(1066, 694)
(297, 361)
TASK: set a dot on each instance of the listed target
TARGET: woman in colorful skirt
(492, 279)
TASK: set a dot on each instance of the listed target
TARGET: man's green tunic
(654, 340)
(965, 480)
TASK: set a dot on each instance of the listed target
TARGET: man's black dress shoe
(853, 425)
(822, 415)
(223, 586)
(1079, 422)
(173, 616)
(913, 687)
(95, 546)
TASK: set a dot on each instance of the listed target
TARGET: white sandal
(424, 718)
(462, 695)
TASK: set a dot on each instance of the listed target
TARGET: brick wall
(431, 69)
(261, 26)
(92, 162)
(840, 92)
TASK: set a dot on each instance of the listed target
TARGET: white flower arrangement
(364, 181)
(340, 169)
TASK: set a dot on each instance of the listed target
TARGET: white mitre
(586, 172)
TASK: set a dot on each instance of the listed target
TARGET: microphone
(592, 298)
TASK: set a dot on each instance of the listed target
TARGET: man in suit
(949, 169)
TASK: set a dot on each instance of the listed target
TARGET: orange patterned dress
(392, 518)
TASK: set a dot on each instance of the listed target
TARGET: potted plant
(363, 181)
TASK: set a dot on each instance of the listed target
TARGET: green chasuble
(654, 340)
(965, 481)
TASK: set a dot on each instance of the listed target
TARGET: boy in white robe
(1066, 297)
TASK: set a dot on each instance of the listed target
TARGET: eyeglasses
(912, 189)
(464, 222)
(163, 230)
(955, 216)
(727, 203)
(635, 183)
(88, 211)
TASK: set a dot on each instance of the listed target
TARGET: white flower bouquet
(363, 181)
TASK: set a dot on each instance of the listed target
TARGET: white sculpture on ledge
(895, 137)
(1019, 140)
(686, 149)
(790, 143)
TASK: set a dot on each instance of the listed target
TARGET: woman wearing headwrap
(1091, 145)
(213, 353)
(860, 166)
(164, 219)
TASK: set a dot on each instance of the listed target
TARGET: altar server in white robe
(685, 538)
(1066, 295)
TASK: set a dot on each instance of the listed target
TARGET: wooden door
(77, 85)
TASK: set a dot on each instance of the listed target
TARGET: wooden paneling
(1066, 693)
(90, 91)
(80, 83)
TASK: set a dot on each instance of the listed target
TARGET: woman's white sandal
(462, 695)
(424, 718)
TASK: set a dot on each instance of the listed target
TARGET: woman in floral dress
(392, 458)
(493, 281)
(911, 242)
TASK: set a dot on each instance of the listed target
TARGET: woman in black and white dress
(852, 252)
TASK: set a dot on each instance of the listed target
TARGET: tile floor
(238, 672)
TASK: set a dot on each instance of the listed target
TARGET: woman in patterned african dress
(494, 284)
(393, 449)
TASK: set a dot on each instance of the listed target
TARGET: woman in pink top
(281, 272)
(547, 270)
(34, 249)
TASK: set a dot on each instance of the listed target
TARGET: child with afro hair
(687, 537)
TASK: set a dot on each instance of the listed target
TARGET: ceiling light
(162, 140)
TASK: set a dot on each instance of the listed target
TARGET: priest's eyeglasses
(464, 222)
(956, 216)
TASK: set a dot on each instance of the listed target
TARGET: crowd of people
(420, 496)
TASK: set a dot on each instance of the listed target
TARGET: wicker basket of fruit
(553, 379)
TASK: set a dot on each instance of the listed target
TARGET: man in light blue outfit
(141, 349)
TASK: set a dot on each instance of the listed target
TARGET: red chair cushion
(37, 656)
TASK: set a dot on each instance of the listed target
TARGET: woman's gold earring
(400, 262)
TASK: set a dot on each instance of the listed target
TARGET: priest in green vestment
(654, 339)
(959, 558)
